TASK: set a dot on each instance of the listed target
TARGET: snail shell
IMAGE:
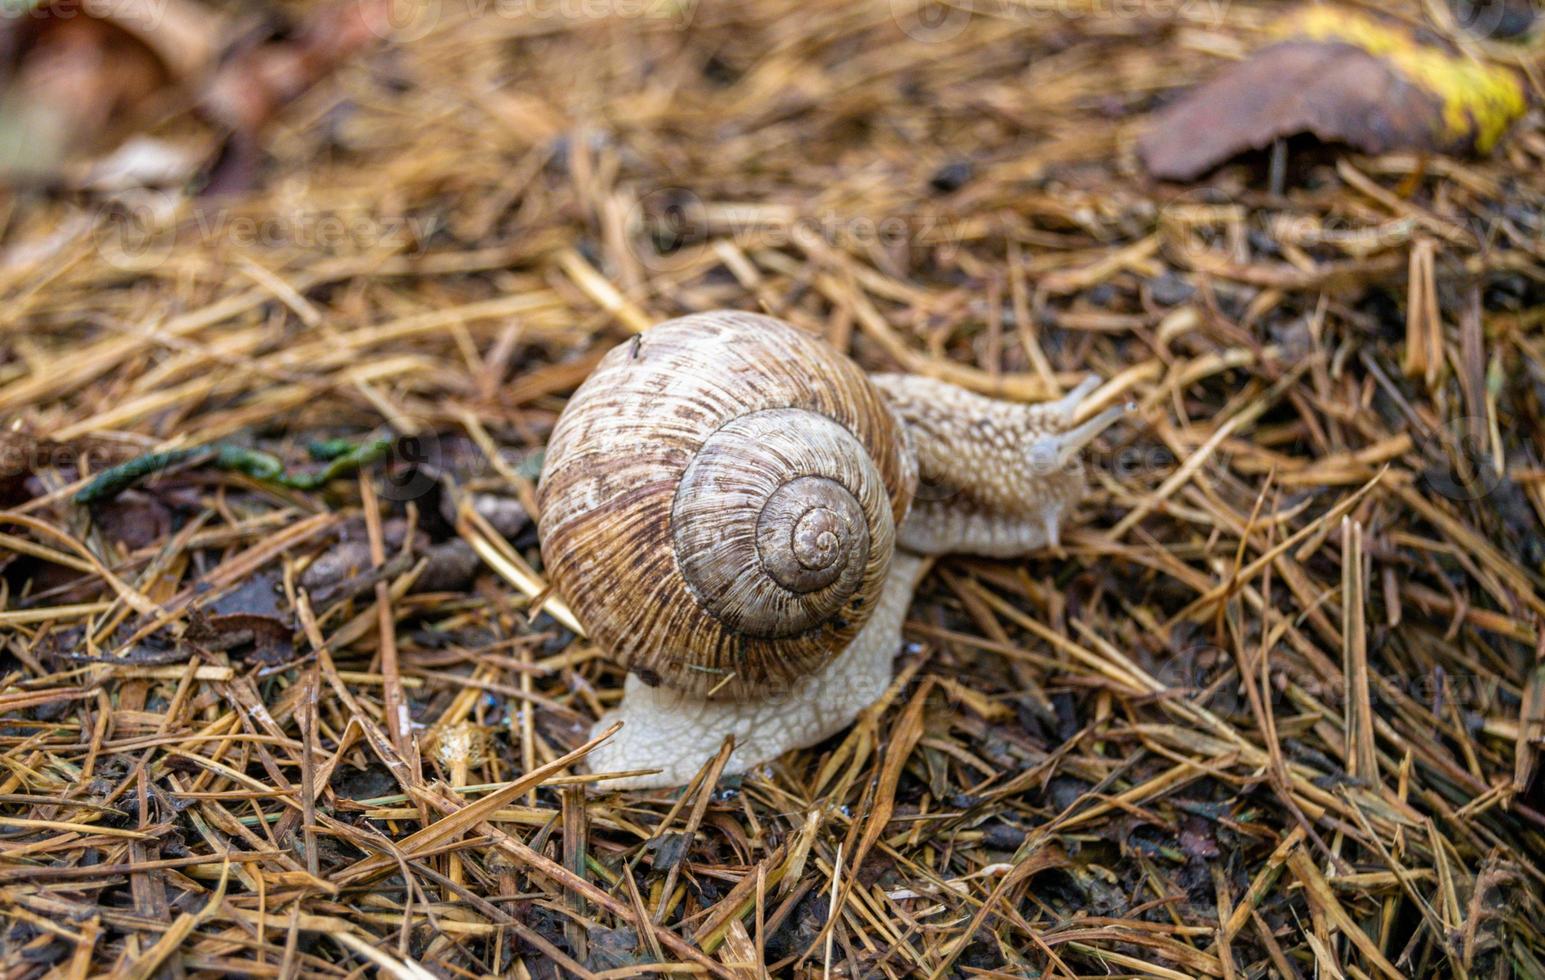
(719, 503)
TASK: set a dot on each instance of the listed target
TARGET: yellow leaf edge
(1479, 101)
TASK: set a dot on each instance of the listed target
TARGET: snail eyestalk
(1069, 443)
(1067, 405)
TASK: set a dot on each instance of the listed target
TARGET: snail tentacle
(1066, 445)
(996, 478)
(1066, 407)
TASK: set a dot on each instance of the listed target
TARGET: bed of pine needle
(1274, 709)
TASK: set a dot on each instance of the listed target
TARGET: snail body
(732, 509)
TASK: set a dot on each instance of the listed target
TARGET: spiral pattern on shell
(719, 503)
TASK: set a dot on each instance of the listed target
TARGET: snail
(739, 515)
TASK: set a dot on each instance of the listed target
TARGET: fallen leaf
(259, 79)
(24, 455)
(75, 76)
(251, 620)
(258, 638)
(77, 79)
(1345, 77)
(134, 520)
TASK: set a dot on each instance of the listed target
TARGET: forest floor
(1274, 708)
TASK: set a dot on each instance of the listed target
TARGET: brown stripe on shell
(779, 520)
(610, 481)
